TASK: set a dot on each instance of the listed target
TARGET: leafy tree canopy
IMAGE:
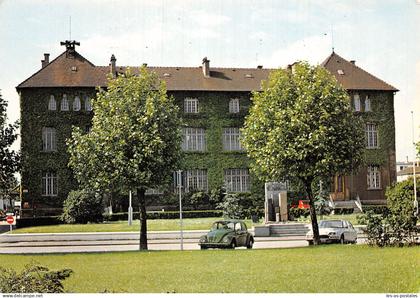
(9, 159)
(301, 126)
(134, 142)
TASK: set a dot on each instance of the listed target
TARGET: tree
(9, 159)
(301, 126)
(134, 142)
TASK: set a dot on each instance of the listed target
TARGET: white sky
(382, 36)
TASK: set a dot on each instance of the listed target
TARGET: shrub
(397, 227)
(217, 195)
(33, 279)
(231, 207)
(296, 213)
(82, 206)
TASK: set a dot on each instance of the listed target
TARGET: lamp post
(130, 210)
(180, 206)
(416, 203)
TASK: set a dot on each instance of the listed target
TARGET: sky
(382, 36)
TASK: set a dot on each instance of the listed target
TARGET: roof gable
(352, 77)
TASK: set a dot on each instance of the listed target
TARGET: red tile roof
(352, 77)
(76, 71)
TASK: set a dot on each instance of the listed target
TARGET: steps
(289, 230)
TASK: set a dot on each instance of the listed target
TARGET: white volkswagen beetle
(330, 231)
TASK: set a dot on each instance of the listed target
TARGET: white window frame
(190, 105)
(372, 140)
(234, 105)
(356, 100)
(196, 179)
(231, 139)
(52, 103)
(194, 139)
(237, 180)
(49, 139)
(49, 185)
(373, 177)
(64, 103)
(368, 106)
(88, 104)
(76, 104)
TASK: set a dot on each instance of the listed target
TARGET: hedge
(165, 215)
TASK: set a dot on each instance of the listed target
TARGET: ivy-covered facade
(213, 103)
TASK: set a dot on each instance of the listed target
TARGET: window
(49, 141)
(237, 180)
(76, 104)
(88, 104)
(373, 177)
(231, 139)
(234, 106)
(196, 180)
(52, 104)
(193, 139)
(356, 100)
(367, 104)
(191, 105)
(371, 136)
(49, 185)
(64, 103)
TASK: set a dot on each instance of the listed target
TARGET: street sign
(10, 219)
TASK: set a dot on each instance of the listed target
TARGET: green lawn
(153, 225)
(328, 268)
(122, 226)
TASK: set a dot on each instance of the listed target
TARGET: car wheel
(203, 247)
(250, 243)
(310, 242)
(232, 244)
(342, 241)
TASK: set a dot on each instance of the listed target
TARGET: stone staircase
(286, 230)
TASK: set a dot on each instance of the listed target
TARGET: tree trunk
(143, 218)
(315, 230)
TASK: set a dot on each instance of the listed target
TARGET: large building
(213, 101)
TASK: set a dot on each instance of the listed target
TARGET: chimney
(113, 67)
(206, 67)
(353, 62)
(46, 60)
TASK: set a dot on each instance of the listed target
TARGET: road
(108, 242)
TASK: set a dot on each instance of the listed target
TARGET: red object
(303, 204)
(10, 219)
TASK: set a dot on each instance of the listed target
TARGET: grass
(323, 269)
(153, 225)
(122, 226)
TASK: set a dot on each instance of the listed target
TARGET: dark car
(227, 234)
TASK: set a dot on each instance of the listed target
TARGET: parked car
(331, 231)
(227, 234)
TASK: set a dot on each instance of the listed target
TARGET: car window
(243, 226)
(331, 224)
(351, 226)
(238, 226)
(345, 225)
(231, 225)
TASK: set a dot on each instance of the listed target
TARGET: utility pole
(416, 203)
(130, 210)
(180, 206)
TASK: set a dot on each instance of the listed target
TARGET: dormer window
(367, 104)
(64, 103)
(76, 104)
(52, 104)
(191, 105)
(356, 100)
(234, 106)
